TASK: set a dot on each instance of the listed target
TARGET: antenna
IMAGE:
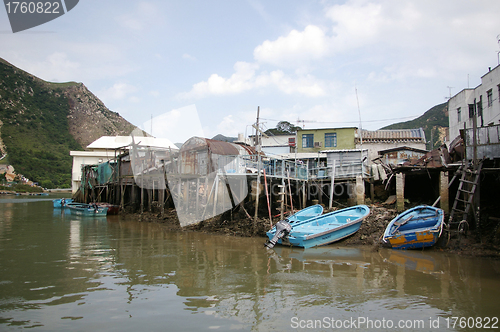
(498, 53)
(449, 88)
(304, 122)
(359, 112)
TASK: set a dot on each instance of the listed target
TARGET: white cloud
(188, 57)
(304, 85)
(227, 126)
(245, 79)
(57, 67)
(118, 91)
(240, 81)
(177, 125)
(295, 48)
(143, 16)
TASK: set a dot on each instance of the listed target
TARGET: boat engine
(283, 228)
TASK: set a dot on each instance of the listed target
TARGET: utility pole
(360, 127)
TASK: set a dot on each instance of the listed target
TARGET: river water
(59, 273)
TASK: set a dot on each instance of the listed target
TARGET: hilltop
(434, 122)
(40, 122)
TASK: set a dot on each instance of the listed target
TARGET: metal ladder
(464, 198)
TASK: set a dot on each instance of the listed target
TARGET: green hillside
(35, 129)
(434, 122)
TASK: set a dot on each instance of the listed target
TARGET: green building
(315, 140)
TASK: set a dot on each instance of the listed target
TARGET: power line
(378, 120)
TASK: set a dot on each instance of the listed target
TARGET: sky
(179, 69)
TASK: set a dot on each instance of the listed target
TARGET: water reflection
(62, 272)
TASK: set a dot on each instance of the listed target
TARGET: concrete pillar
(360, 190)
(443, 192)
(400, 191)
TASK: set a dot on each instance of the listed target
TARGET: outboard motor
(283, 228)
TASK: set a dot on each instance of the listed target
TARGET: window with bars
(330, 140)
(307, 140)
(489, 94)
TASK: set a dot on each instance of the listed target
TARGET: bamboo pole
(332, 185)
(267, 196)
(290, 190)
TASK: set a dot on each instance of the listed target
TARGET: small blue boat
(418, 227)
(305, 214)
(298, 217)
(321, 230)
(87, 210)
(61, 202)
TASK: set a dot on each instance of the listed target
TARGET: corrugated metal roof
(394, 134)
(216, 147)
(222, 148)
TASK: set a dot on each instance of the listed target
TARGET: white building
(105, 149)
(275, 145)
(380, 140)
(484, 100)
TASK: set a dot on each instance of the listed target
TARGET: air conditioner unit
(317, 144)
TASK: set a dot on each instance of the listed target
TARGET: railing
(343, 171)
(285, 168)
(245, 164)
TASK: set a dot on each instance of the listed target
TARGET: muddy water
(60, 273)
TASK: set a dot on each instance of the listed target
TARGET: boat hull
(301, 216)
(326, 237)
(325, 229)
(423, 228)
(85, 210)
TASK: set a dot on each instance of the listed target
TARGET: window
(307, 140)
(459, 114)
(330, 140)
(471, 111)
(490, 97)
(480, 106)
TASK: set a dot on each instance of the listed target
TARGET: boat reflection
(420, 261)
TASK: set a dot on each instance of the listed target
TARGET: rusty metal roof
(222, 148)
(394, 134)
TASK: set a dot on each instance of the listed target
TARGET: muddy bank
(369, 234)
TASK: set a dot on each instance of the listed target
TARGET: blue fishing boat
(321, 230)
(418, 227)
(61, 202)
(87, 210)
(300, 216)
(305, 214)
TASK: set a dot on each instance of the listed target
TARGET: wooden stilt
(400, 191)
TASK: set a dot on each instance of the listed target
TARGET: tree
(283, 127)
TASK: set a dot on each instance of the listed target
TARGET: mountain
(223, 138)
(434, 122)
(40, 122)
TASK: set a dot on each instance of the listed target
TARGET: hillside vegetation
(434, 122)
(41, 122)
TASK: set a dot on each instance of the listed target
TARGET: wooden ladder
(465, 197)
